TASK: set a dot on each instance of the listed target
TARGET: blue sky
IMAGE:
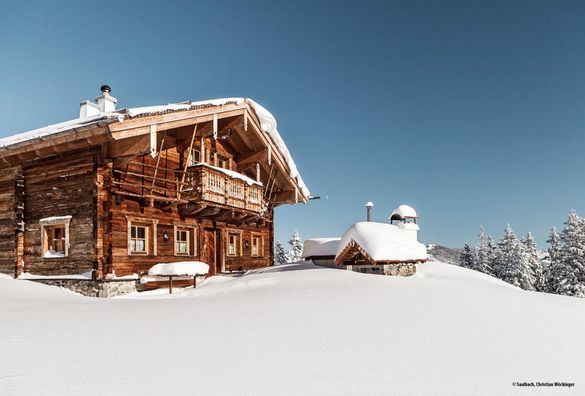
(473, 112)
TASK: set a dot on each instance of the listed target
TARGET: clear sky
(473, 112)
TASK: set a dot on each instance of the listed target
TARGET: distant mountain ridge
(444, 254)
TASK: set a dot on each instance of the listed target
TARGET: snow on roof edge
(267, 121)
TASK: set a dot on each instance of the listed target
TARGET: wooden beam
(251, 157)
(141, 126)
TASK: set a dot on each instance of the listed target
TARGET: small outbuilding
(371, 247)
(321, 251)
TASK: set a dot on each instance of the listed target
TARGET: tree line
(292, 255)
(516, 261)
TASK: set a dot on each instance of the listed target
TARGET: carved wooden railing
(203, 183)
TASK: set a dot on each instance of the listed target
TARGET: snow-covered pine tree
(554, 252)
(280, 255)
(485, 252)
(511, 264)
(296, 251)
(467, 257)
(534, 263)
(568, 276)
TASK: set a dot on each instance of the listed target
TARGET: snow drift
(298, 330)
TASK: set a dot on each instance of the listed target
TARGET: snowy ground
(301, 330)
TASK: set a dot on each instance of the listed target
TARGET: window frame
(48, 226)
(259, 246)
(191, 239)
(146, 239)
(192, 160)
(150, 235)
(237, 241)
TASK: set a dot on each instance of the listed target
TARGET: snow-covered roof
(179, 268)
(62, 127)
(403, 212)
(382, 242)
(267, 123)
(249, 181)
(320, 247)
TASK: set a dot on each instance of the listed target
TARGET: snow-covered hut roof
(267, 124)
(320, 247)
(403, 212)
(380, 242)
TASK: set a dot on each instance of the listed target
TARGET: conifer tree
(280, 255)
(511, 264)
(568, 276)
(485, 253)
(295, 253)
(534, 265)
(553, 258)
(467, 257)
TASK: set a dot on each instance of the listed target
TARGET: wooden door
(212, 252)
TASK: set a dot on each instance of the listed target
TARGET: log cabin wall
(11, 215)
(157, 221)
(208, 239)
(61, 186)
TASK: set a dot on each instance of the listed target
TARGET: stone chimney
(104, 103)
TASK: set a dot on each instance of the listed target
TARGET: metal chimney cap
(105, 88)
(369, 204)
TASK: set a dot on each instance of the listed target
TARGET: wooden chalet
(116, 191)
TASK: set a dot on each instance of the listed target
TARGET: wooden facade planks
(61, 186)
(11, 214)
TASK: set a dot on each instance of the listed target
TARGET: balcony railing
(205, 183)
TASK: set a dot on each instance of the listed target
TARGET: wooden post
(194, 281)
(170, 284)
(257, 171)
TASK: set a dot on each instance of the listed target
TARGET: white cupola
(405, 217)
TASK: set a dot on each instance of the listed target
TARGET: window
(222, 162)
(182, 242)
(233, 242)
(185, 242)
(195, 157)
(55, 236)
(219, 161)
(138, 239)
(142, 236)
(256, 246)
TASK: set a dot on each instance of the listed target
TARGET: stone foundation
(91, 288)
(405, 269)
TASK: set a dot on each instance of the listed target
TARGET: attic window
(55, 236)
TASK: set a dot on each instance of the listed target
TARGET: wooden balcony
(216, 186)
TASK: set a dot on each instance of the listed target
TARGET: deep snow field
(295, 330)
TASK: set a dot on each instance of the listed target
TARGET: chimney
(104, 103)
(369, 205)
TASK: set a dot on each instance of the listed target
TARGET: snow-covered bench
(180, 268)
